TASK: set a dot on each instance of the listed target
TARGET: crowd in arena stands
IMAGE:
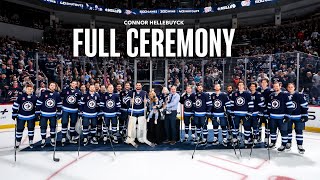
(18, 61)
(20, 15)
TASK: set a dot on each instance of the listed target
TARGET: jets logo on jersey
(91, 104)
(110, 104)
(188, 103)
(198, 103)
(240, 101)
(71, 99)
(27, 106)
(295, 105)
(217, 104)
(138, 101)
(275, 104)
(50, 103)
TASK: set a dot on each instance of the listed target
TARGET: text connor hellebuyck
(154, 22)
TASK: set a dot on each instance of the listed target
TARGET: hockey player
(252, 124)
(202, 112)
(102, 92)
(265, 91)
(187, 100)
(71, 98)
(280, 107)
(220, 108)
(49, 108)
(123, 118)
(23, 111)
(241, 107)
(110, 108)
(229, 93)
(136, 101)
(298, 117)
(89, 109)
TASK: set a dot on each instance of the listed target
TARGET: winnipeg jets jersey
(71, 99)
(89, 105)
(220, 104)
(258, 102)
(202, 104)
(300, 106)
(123, 95)
(266, 94)
(188, 105)
(138, 102)
(49, 104)
(24, 107)
(110, 104)
(241, 103)
(280, 105)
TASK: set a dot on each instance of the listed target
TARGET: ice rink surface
(164, 165)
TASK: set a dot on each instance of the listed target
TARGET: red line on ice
(67, 165)
(243, 175)
(257, 167)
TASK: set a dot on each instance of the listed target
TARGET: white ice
(167, 165)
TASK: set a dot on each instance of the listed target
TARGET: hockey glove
(14, 117)
(304, 118)
(80, 114)
(286, 119)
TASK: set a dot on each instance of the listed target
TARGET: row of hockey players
(68, 106)
(277, 109)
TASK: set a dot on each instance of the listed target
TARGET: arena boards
(189, 43)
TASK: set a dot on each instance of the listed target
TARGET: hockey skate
(193, 138)
(85, 141)
(74, 140)
(63, 141)
(52, 142)
(272, 145)
(266, 140)
(94, 140)
(281, 148)
(215, 141)
(300, 149)
(288, 146)
(203, 142)
(17, 144)
(31, 144)
(186, 137)
(43, 143)
(225, 142)
(115, 139)
(247, 143)
(105, 139)
(234, 142)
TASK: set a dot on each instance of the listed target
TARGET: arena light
(189, 43)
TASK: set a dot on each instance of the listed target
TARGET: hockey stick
(234, 148)
(55, 159)
(145, 114)
(267, 122)
(15, 140)
(80, 119)
(181, 119)
(109, 137)
(195, 148)
(241, 140)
